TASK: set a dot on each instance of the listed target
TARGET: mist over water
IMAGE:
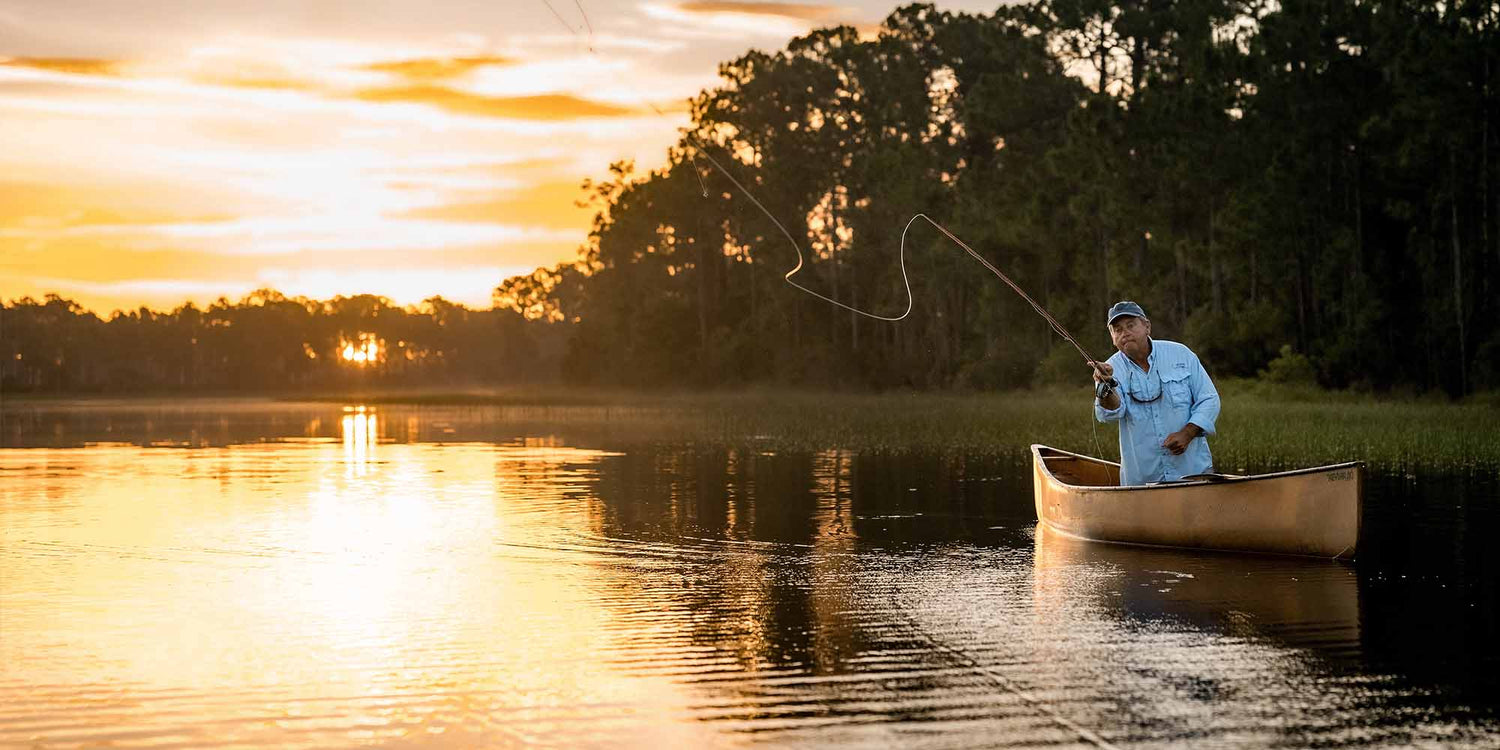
(293, 575)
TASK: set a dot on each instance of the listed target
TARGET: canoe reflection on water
(1301, 602)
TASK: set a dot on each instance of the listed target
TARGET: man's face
(1131, 335)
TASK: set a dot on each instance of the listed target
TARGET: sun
(365, 349)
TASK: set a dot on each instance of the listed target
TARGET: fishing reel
(1103, 388)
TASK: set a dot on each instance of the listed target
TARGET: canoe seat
(1078, 472)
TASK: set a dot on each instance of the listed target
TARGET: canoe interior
(1081, 471)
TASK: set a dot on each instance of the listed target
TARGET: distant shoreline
(568, 395)
(393, 395)
(1261, 424)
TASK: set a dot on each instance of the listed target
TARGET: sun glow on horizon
(364, 350)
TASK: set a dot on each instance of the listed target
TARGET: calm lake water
(285, 575)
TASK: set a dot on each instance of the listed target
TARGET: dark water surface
(284, 575)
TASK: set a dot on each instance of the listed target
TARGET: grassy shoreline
(1259, 426)
(566, 395)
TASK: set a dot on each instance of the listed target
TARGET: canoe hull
(1313, 512)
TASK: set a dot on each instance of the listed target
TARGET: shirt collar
(1150, 358)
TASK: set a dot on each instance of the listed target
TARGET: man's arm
(1205, 410)
(1107, 409)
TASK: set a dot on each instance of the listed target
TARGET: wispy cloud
(176, 290)
(783, 10)
(726, 21)
(552, 204)
(87, 66)
(106, 274)
(437, 68)
(242, 74)
(294, 235)
(468, 284)
(471, 285)
(37, 207)
(602, 42)
(260, 82)
(545, 107)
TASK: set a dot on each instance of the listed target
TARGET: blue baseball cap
(1125, 307)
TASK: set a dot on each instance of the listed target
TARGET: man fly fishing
(1169, 404)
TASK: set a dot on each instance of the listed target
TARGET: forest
(267, 342)
(1300, 189)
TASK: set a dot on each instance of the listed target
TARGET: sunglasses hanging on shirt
(1142, 392)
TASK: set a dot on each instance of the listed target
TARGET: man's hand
(1103, 371)
(1177, 442)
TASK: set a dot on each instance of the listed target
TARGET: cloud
(444, 175)
(782, 10)
(437, 68)
(87, 66)
(543, 107)
(102, 276)
(603, 42)
(731, 22)
(216, 68)
(41, 206)
(260, 82)
(471, 285)
(551, 205)
(66, 262)
(468, 284)
(271, 236)
(176, 290)
(538, 161)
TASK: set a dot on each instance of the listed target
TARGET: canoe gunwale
(1040, 458)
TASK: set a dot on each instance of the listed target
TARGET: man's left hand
(1177, 442)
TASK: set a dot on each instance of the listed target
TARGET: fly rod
(1105, 386)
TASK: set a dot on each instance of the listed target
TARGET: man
(1165, 402)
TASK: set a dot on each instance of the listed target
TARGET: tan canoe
(1312, 512)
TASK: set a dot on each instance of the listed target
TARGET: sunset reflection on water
(311, 575)
(307, 593)
(361, 433)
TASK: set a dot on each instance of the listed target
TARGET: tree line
(267, 341)
(1298, 186)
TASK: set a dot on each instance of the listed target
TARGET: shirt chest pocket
(1174, 382)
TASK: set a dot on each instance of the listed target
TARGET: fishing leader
(1168, 406)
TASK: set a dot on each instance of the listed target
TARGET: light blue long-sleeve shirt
(1186, 394)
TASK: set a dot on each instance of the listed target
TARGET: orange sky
(159, 151)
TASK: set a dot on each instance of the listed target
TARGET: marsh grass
(1261, 427)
